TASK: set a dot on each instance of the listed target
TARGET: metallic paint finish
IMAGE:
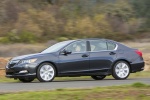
(76, 64)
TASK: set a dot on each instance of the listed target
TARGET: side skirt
(85, 73)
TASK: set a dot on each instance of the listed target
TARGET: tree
(142, 10)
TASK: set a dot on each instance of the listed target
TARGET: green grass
(138, 85)
(3, 79)
(143, 74)
(124, 92)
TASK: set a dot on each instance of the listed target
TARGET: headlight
(13, 61)
(27, 61)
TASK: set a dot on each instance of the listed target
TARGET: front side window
(79, 46)
(56, 47)
(98, 45)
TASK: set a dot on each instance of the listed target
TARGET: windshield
(56, 47)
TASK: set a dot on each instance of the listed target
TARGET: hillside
(30, 21)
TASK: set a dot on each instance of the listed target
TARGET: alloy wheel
(46, 72)
(121, 70)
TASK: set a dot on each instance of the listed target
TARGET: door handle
(85, 55)
(112, 53)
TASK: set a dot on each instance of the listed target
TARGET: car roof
(120, 44)
(92, 39)
(96, 39)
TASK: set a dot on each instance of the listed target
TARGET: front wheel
(99, 77)
(121, 70)
(46, 72)
(26, 80)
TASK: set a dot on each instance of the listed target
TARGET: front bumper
(21, 75)
(13, 72)
(135, 67)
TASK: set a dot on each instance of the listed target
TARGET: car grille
(9, 73)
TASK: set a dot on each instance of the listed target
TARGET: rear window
(98, 45)
(111, 46)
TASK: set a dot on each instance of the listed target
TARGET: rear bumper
(135, 67)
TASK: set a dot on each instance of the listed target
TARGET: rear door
(102, 55)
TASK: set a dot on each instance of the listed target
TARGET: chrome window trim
(90, 51)
(107, 46)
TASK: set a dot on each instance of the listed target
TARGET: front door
(77, 62)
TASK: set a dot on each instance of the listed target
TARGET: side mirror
(66, 52)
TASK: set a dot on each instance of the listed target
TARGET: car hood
(29, 56)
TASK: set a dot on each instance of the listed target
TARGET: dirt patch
(2, 73)
(3, 62)
(147, 61)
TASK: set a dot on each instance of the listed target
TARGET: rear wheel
(26, 80)
(121, 70)
(99, 77)
(46, 72)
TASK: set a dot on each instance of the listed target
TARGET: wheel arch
(49, 63)
(121, 60)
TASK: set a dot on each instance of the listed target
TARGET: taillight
(139, 53)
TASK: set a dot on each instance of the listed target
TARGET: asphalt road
(37, 86)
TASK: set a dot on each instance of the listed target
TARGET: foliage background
(30, 21)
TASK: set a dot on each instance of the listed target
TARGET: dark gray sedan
(97, 58)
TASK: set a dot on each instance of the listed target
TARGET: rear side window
(98, 45)
(111, 46)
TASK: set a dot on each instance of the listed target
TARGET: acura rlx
(97, 58)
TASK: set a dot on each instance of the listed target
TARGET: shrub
(62, 39)
(27, 37)
(138, 84)
(4, 40)
(12, 37)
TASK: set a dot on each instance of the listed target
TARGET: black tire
(26, 80)
(114, 73)
(99, 77)
(39, 76)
